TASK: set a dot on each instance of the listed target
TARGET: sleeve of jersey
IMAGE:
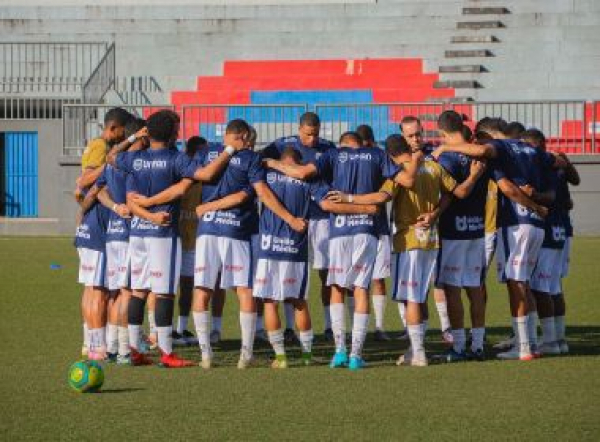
(256, 172)
(495, 165)
(194, 164)
(96, 154)
(448, 183)
(388, 167)
(318, 191)
(101, 181)
(389, 187)
(182, 166)
(123, 161)
(324, 163)
(130, 184)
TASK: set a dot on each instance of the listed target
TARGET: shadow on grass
(121, 390)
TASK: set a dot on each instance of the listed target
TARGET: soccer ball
(86, 376)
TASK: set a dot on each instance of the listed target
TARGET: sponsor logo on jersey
(139, 164)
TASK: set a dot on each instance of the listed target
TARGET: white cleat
(206, 363)
(279, 364)
(549, 348)
(405, 358)
(506, 344)
(215, 337)
(244, 363)
(515, 355)
(564, 347)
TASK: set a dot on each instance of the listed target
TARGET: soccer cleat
(307, 358)
(189, 338)
(261, 335)
(206, 363)
(447, 336)
(549, 348)
(406, 357)
(111, 357)
(136, 358)
(123, 360)
(514, 354)
(178, 340)
(244, 363)
(506, 344)
(289, 336)
(453, 356)
(476, 355)
(564, 347)
(403, 336)
(174, 361)
(328, 335)
(381, 336)
(340, 359)
(279, 362)
(409, 360)
(356, 363)
(215, 337)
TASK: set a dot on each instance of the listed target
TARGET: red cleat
(136, 358)
(173, 361)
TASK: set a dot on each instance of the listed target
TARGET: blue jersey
(151, 172)
(91, 233)
(563, 200)
(522, 164)
(243, 170)
(355, 171)
(115, 182)
(277, 239)
(464, 218)
(309, 155)
(554, 223)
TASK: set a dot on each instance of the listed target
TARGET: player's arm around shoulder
(272, 202)
(463, 190)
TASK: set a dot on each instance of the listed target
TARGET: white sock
(202, 323)
(112, 338)
(532, 320)
(560, 329)
(151, 322)
(338, 325)
(123, 335)
(248, 326)
(260, 323)
(94, 339)
(290, 315)
(548, 330)
(442, 308)
(459, 340)
(182, 323)
(276, 341)
(402, 311)
(379, 310)
(135, 336)
(415, 333)
(350, 304)
(520, 325)
(477, 338)
(359, 333)
(327, 315)
(165, 339)
(306, 340)
(86, 336)
(217, 322)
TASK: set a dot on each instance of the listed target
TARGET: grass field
(41, 337)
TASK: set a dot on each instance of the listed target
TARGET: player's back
(115, 181)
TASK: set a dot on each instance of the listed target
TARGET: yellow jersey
(408, 204)
(188, 221)
(94, 154)
(491, 207)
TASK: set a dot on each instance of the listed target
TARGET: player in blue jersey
(520, 220)
(546, 280)
(461, 256)
(356, 171)
(310, 147)
(383, 260)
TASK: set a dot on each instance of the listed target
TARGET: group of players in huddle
(153, 218)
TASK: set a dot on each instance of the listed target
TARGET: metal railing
(270, 121)
(102, 79)
(27, 108)
(84, 122)
(47, 67)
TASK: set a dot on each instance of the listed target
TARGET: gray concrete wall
(586, 196)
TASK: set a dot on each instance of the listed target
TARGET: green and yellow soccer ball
(86, 376)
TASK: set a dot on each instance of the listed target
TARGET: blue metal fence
(21, 174)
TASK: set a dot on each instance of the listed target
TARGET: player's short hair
(194, 144)
(351, 135)
(252, 136)
(117, 115)
(133, 125)
(514, 130)
(535, 137)
(467, 133)
(396, 145)
(489, 125)
(410, 119)
(290, 151)
(162, 125)
(366, 133)
(450, 121)
(310, 119)
(237, 126)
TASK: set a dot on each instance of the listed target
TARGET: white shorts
(230, 257)
(318, 236)
(118, 264)
(351, 260)
(383, 261)
(491, 240)
(92, 268)
(188, 258)
(411, 274)
(518, 251)
(545, 277)
(461, 263)
(280, 280)
(155, 264)
(565, 258)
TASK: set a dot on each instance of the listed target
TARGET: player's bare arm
(270, 200)
(298, 171)
(89, 176)
(407, 176)
(469, 149)
(545, 198)
(228, 202)
(349, 208)
(124, 145)
(120, 209)
(571, 173)
(171, 193)
(375, 198)
(514, 193)
(158, 218)
(464, 189)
